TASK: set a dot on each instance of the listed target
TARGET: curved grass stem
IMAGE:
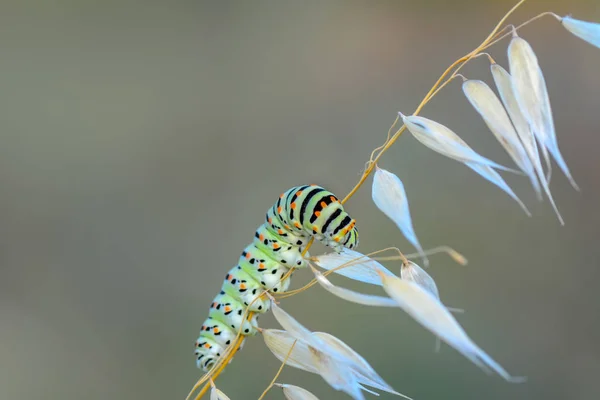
(439, 84)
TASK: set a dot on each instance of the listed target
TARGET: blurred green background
(143, 141)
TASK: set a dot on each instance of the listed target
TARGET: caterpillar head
(352, 238)
(347, 237)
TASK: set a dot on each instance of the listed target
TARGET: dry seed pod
(216, 394)
(504, 85)
(301, 333)
(292, 392)
(337, 363)
(352, 296)
(503, 82)
(434, 316)
(295, 328)
(357, 266)
(366, 374)
(441, 139)
(390, 197)
(280, 342)
(338, 378)
(487, 104)
(412, 272)
(588, 31)
(530, 90)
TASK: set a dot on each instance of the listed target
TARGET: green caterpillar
(301, 213)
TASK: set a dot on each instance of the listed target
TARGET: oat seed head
(588, 31)
(521, 120)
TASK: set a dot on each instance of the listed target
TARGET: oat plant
(520, 118)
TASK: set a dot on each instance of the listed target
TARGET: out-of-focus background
(142, 142)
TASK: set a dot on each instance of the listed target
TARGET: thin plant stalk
(434, 89)
(278, 372)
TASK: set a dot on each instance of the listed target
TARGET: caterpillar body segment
(314, 211)
(264, 269)
(230, 311)
(299, 214)
(275, 225)
(277, 248)
(218, 332)
(241, 286)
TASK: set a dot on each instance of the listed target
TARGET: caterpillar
(299, 214)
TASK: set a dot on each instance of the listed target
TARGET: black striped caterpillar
(299, 214)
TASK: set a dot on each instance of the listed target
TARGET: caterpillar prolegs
(301, 213)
